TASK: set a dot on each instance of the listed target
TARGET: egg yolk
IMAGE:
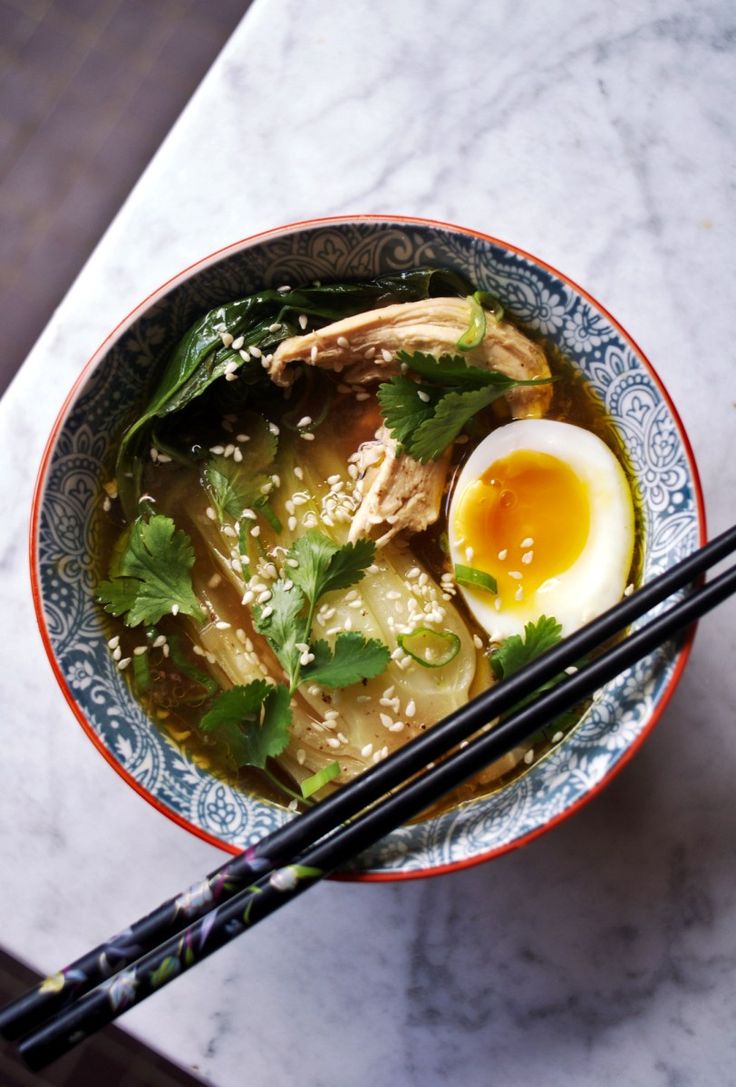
(524, 521)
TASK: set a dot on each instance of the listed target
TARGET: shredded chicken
(363, 348)
(398, 491)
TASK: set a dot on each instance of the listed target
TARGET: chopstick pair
(61, 1011)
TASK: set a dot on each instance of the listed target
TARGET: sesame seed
(413, 573)
(292, 523)
(211, 513)
(226, 339)
(303, 320)
(114, 642)
(398, 726)
(469, 553)
(529, 757)
(301, 756)
(238, 343)
(516, 575)
(307, 435)
(571, 670)
(424, 397)
(250, 515)
(519, 594)
(527, 542)
(497, 603)
(244, 356)
(174, 609)
(411, 708)
(306, 658)
(237, 456)
(117, 653)
(342, 342)
(367, 751)
(256, 530)
(502, 555)
(267, 612)
(275, 327)
(386, 355)
(197, 650)
(293, 563)
(222, 624)
(306, 420)
(477, 641)
(124, 663)
(628, 590)
(333, 741)
(230, 375)
(158, 642)
(557, 737)
(284, 289)
(273, 428)
(527, 557)
(313, 353)
(164, 458)
(299, 472)
(255, 351)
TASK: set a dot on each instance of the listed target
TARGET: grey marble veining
(601, 138)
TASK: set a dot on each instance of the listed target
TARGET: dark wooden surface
(88, 90)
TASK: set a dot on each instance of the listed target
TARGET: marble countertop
(600, 137)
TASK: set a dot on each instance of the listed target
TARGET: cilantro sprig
(316, 565)
(152, 574)
(253, 721)
(426, 416)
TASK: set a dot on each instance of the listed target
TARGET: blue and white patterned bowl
(78, 456)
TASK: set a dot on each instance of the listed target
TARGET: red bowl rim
(388, 875)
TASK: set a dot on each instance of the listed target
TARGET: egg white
(597, 579)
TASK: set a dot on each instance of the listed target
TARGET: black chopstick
(244, 909)
(34, 1007)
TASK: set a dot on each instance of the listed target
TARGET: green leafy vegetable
(284, 625)
(151, 576)
(313, 784)
(324, 565)
(430, 648)
(453, 411)
(286, 620)
(475, 579)
(237, 485)
(354, 658)
(516, 651)
(476, 330)
(263, 320)
(426, 418)
(251, 721)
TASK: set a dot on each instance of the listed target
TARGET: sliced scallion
(430, 648)
(476, 330)
(475, 579)
(314, 783)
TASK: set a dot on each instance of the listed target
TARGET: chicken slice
(399, 493)
(363, 348)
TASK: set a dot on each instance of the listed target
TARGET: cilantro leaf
(352, 659)
(453, 371)
(515, 652)
(152, 574)
(282, 624)
(236, 485)
(403, 410)
(231, 490)
(426, 418)
(324, 566)
(251, 721)
(453, 411)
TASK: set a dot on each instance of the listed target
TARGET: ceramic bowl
(77, 459)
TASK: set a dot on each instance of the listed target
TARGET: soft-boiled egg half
(545, 509)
